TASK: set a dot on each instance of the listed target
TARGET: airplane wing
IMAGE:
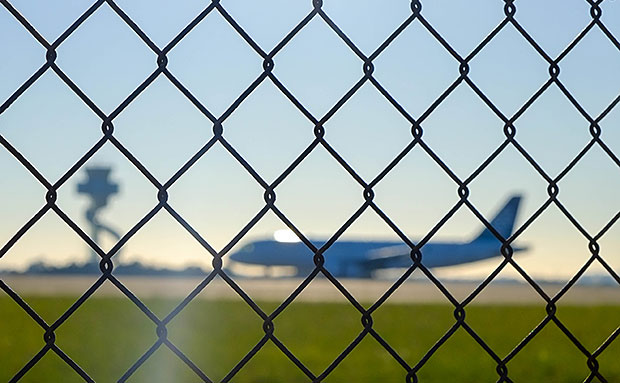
(386, 256)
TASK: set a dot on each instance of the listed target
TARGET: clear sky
(52, 127)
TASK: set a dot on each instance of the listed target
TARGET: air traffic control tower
(99, 188)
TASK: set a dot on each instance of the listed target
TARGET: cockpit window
(247, 248)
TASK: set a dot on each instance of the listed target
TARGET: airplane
(359, 259)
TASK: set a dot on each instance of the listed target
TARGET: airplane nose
(236, 257)
(241, 256)
(244, 255)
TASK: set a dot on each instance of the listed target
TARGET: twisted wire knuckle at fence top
(219, 137)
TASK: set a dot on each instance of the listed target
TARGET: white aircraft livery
(359, 259)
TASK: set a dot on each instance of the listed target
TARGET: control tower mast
(99, 188)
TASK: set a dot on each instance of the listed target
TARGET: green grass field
(107, 335)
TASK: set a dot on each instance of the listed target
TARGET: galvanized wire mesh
(269, 60)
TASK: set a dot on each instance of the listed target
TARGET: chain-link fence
(269, 61)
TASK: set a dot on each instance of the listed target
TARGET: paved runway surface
(320, 290)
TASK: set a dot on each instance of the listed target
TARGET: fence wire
(269, 60)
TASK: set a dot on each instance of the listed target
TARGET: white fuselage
(360, 258)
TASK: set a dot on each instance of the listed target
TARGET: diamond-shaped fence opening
(462, 118)
(339, 317)
(83, 336)
(415, 83)
(554, 120)
(204, 324)
(215, 63)
(180, 126)
(354, 127)
(117, 56)
(51, 97)
(494, 69)
(327, 120)
(139, 197)
(269, 131)
(317, 87)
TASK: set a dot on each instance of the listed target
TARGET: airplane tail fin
(503, 221)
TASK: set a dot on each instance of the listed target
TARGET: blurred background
(53, 128)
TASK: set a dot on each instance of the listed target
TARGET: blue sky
(53, 128)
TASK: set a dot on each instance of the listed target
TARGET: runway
(319, 290)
